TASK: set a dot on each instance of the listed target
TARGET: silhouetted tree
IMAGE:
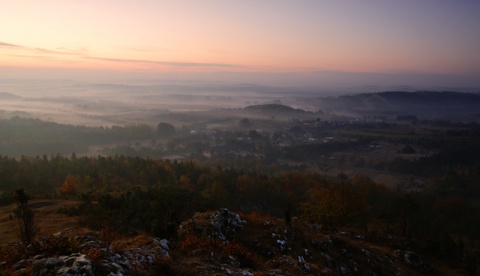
(166, 129)
(245, 122)
(287, 214)
(28, 229)
(402, 210)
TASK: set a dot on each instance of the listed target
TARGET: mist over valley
(105, 104)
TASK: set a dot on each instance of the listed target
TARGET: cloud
(46, 51)
(83, 54)
(167, 63)
(3, 44)
(38, 50)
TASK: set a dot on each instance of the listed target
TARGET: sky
(286, 41)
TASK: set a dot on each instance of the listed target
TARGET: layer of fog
(89, 103)
(148, 102)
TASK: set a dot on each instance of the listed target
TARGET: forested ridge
(136, 194)
(27, 136)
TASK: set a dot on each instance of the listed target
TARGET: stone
(66, 271)
(38, 264)
(398, 255)
(51, 263)
(413, 259)
(21, 264)
(70, 260)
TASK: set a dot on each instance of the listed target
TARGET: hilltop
(9, 96)
(274, 108)
(222, 243)
(422, 103)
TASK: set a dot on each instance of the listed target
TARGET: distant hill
(422, 103)
(9, 96)
(274, 108)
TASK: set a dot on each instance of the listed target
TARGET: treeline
(136, 194)
(33, 136)
(463, 153)
(454, 171)
(314, 151)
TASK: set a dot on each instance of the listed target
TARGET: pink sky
(189, 37)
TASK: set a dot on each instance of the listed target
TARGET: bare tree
(26, 221)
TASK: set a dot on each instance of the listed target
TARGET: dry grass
(255, 248)
(49, 221)
(124, 242)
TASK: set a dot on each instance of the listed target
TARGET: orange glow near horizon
(236, 36)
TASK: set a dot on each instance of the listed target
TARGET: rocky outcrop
(97, 260)
(222, 225)
(224, 243)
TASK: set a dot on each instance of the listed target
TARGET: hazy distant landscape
(65, 117)
(103, 104)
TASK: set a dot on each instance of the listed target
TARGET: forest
(135, 194)
(29, 136)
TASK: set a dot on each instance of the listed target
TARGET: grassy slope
(47, 217)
